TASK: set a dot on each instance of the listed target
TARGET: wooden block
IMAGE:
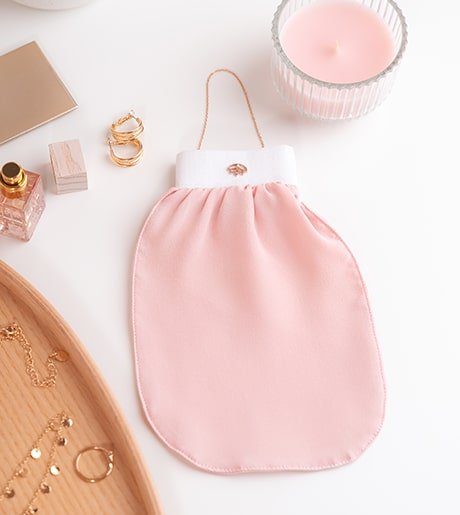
(68, 166)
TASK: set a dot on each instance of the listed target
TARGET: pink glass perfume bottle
(22, 201)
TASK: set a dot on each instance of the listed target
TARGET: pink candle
(339, 42)
(336, 59)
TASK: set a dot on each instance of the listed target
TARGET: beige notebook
(31, 92)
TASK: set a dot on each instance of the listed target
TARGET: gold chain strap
(246, 97)
(14, 332)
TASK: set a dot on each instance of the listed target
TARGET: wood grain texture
(68, 166)
(81, 392)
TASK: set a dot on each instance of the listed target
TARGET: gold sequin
(9, 493)
(55, 470)
(68, 422)
(45, 488)
(35, 453)
(61, 355)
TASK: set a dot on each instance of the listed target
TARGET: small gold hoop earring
(108, 454)
(126, 162)
(127, 135)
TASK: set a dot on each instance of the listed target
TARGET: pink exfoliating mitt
(254, 341)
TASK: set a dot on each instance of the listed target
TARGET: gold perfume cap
(13, 178)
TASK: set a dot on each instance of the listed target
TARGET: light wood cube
(68, 166)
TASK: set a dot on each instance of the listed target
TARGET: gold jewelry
(56, 425)
(108, 454)
(237, 169)
(14, 332)
(118, 137)
(128, 135)
(246, 98)
(126, 161)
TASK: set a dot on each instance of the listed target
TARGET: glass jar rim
(332, 85)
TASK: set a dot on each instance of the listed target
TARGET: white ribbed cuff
(210, 168)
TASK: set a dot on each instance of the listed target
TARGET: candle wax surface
(338, 42)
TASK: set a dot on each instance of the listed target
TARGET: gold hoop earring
(108, 454)
(126, 162)
(127, 135)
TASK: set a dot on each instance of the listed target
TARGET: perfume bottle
(22, 201)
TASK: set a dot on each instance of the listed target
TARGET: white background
(388, 183)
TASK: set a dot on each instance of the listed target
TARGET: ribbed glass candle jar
(53, 4)
(325, 100)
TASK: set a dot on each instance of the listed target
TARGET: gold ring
(108, 456)
(126, 161)
(128, 135)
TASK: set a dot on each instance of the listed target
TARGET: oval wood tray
(83, 395)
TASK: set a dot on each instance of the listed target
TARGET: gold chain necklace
(55, 425)
(14, 332)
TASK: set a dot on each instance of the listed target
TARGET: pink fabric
(254, 340)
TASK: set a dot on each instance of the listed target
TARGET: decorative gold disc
(55, 470)
(9, 493)
(62, 441)
(61, 355)
(45, 488)
(36, 453)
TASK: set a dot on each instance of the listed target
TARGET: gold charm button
(237, 169)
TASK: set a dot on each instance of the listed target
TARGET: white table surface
(388, 183)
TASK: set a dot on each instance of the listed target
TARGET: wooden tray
(83, 395)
